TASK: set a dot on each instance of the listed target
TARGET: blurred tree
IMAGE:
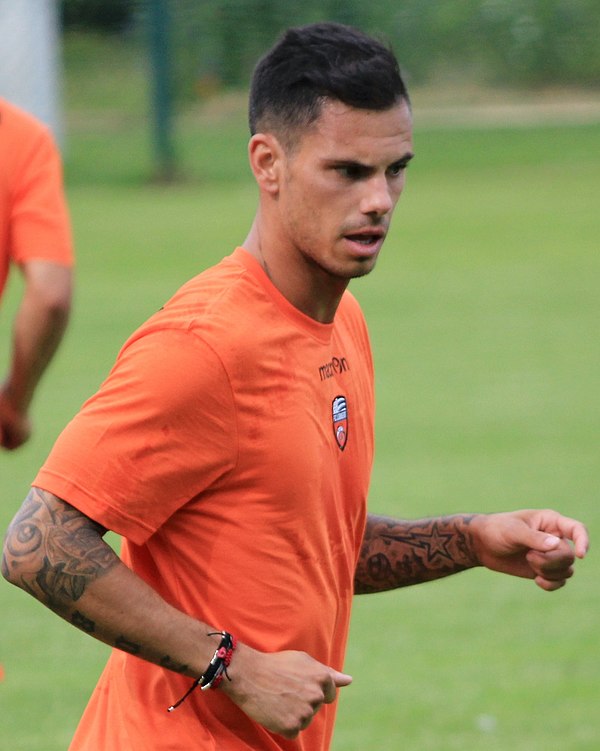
(531, 42)
(103, 15)
(541, 41)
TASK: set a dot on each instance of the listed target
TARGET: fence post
(159, 28)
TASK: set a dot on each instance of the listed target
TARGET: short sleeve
(160, 430)
(39, 227)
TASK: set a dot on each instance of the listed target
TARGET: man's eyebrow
(404, 160)
(401, 162)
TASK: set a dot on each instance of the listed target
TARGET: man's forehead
(342, 128)
(338, 108)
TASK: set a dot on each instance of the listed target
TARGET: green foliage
(215, 43)
(542, 41)
(510, 41)
(99, 15)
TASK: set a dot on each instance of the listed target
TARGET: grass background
(484, 313)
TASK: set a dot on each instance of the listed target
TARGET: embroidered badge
(339, 414)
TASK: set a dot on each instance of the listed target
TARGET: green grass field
(484, 312)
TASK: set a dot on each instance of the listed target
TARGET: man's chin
(364, 267)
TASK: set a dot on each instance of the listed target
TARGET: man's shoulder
(219, 291)
(17, 123)
(213, 304)
(25, 142)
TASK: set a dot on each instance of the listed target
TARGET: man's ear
(266, 161)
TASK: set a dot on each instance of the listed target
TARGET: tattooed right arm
(58, 555)
(54, 552)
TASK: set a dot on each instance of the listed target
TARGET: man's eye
(397, 169)
(350, 171)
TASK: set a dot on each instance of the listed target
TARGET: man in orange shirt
(231, 447)
(35, 236)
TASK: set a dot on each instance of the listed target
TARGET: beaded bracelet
(217, 667)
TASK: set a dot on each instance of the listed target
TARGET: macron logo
(334, 367)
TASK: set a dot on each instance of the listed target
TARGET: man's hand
(532, 544)
(15, 427)
(283, 690)
(38, 328)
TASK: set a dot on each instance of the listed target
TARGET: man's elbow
(21, 554)
(50, 287)
(57, 301)
(8, 571)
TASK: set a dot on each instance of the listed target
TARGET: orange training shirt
(34, 221)
(231, 445)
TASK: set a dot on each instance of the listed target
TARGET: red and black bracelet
(217, 667)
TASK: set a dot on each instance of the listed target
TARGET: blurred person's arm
(38, 328)
(39, 244)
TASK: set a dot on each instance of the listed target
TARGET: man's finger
(542, 542)
(556, 524)
(575, 531)
(549, 586)
(330, 688)
(341, 679)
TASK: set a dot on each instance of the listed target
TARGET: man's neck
(305, 286)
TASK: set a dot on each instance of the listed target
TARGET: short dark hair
(310, 64)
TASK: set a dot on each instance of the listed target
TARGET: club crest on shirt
(339, 416)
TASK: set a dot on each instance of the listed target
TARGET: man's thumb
(543, 542)
(341, 679)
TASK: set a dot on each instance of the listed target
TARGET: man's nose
(378, 198)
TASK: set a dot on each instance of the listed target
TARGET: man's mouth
(367, 239)
(364, 239)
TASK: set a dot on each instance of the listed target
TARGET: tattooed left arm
(534, 544)
(399, 553)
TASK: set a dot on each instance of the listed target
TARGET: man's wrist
(475, 524)
(217, 668)
(13, 403)
(221, 659)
